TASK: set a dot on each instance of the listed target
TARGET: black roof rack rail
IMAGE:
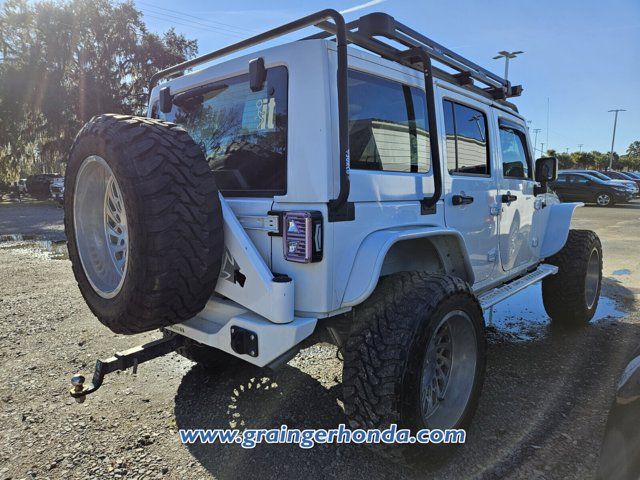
(367, 30)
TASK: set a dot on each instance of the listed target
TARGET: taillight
(302, 236)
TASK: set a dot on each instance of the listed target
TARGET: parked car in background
(56, 189)
(602, 176)
(572, 186)
(620, 176)
(22, 186)
(38, 184)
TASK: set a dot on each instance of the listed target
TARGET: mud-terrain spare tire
(571, 296)
(158, 207)
(389, 372)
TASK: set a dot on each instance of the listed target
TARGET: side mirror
(546, 170)
(257, 74)
(166, 100)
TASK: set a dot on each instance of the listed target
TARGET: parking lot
(542, 412)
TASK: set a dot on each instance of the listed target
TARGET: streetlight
(507, 56)
(615, 123)
(536, 131)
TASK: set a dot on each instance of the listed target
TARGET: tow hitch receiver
(121, 361)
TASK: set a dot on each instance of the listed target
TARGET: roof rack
(367, 30)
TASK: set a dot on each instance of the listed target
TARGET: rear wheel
(415, 356)
(604, 199)
(143, 222)
(571, 296)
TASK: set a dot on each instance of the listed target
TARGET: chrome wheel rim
(603, 199)
(448, 371)
(592, 280)
(100, 221)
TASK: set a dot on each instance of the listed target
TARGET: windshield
(242, 133)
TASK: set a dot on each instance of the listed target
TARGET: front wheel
(604, 199)
(415, 356)
(571, 296)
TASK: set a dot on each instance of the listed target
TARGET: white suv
(318, 192)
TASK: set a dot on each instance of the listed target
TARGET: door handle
(508, 198)
(461, 200)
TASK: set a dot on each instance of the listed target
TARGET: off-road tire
(175, 223)
(563, 294)
(384, 353)
(211, 359)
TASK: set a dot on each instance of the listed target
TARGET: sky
(581, 58)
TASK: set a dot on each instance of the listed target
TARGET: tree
(632, 158)
(634, 149)
(62, 63)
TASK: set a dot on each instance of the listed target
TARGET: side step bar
(121, 361)
(490, 298)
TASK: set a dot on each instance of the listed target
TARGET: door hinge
(495, 209)
(492, 256)
(267, 223)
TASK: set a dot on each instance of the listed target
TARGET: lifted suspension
(121, 361)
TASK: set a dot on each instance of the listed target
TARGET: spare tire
(143, 222)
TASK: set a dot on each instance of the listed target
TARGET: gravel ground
(542, 412)
(32, 217)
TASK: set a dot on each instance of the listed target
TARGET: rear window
(242, 133)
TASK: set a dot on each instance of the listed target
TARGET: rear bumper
(213, 327)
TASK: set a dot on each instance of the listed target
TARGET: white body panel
(213, 327)
(496, 242)
(556, 228)
(517, 238)
(476, 224)
(257, 291)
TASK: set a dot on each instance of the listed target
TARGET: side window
(581, 180)
(467, 147)
(577, 179)
(388, 127)
(515, 159)
(561, 179)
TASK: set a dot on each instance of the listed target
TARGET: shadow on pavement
(542, 413)
(262, 399)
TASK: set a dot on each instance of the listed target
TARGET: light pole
(615, 124)
(580, 146)
(536, 131)
(507, 56)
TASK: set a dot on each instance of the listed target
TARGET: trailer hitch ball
(78, 385)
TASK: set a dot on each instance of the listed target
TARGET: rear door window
(388, 127)
(242, 133)
(467, 146)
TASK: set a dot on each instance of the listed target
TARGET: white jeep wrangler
(316, 191)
